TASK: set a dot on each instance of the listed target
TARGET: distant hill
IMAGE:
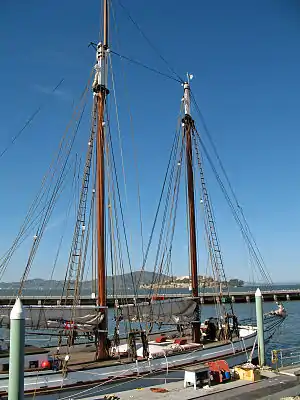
(119, 282)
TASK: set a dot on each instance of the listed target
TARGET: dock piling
(260, 327)
(16, 352)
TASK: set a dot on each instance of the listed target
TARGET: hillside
(128, 280)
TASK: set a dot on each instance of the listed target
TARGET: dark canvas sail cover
(171, 311)
(84, 318)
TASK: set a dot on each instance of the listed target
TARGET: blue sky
(245, 60)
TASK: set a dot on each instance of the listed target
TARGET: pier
(272, 385)
(206, 298)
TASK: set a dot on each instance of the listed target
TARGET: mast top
(186, 95)
(100, 79)
(105, 23)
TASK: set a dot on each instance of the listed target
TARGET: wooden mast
(101, 91)
(188, 125)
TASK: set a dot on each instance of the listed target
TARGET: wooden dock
(205, 298)
(272, 385)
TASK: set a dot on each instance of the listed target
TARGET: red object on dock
(218, 369)
(180, 341)
(161, 339)
(157, 297)
(45, 364)
(69, 325)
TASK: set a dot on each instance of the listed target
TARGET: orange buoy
(45, 364)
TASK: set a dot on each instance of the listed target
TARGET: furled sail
(84, 318)
(171, 311)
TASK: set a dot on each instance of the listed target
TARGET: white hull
(48, 381)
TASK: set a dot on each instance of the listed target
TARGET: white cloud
(49, 91)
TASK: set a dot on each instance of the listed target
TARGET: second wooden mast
(188, 126)
(100, 92)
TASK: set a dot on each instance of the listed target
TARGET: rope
(171, 218)
(172, 152)
(172, 157)
(49, 175)
(234, 212)
(118, 127)
(167, 247)
(149, 42)
(133, 144)
(48, 211)
(28, 122)
(156, 71)
(247, 228)
(65, 227)
(121, 209)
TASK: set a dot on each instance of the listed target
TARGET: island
(184, 282)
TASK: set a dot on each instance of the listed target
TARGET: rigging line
(49, 210)
(78, 279)
(174, 178)
(16, 244)
(174, 144)
(28, 122)
(156, 71)
(114, 170)
(38, 198)
(61, 145)
(91, 217)
(173, 210)
(149, 42)
(80, 213)
(165, 211)
(244, 232)
(212, 257)
(226, 176)
(119, 254)
(209, 214)
(119, 200)
(80, 274)
(169, 242)
(133, 146)
(121, 148)
(57, 193)
(8, 255)
(117, 242)
(164, 236)
(34, 246)
(86, 244)
(65, 227)
(113, 202)
(118, 126)
(114, 236)
(112, 246)
(234, 212)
